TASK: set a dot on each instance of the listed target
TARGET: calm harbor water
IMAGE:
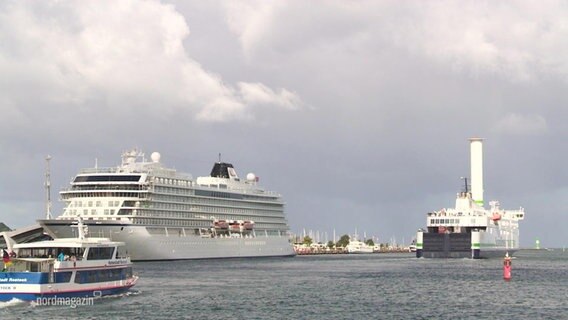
(377, 286)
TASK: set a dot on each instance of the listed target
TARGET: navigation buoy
(507, 267)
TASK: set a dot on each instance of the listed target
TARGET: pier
(346, 244)
(302, 250)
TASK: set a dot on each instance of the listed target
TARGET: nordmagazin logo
(72, 302)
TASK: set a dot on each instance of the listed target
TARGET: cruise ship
(163, 214)
(469, 230)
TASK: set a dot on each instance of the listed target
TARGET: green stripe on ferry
(419, 245)
(476, 245)
(479, 202)
(491, 245)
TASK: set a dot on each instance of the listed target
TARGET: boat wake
(11, 303)
(121, 295)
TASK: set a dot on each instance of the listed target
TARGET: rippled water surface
(375, 286)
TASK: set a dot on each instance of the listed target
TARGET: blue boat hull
(71, 294)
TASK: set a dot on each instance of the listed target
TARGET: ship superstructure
(469, 229)
(163, 214)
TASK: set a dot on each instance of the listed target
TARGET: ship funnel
(476, 149)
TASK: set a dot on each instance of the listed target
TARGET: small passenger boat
(66, 267)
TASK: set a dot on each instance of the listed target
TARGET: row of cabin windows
(205, 224)
(180, 191)
(175, 182)
(233, 203)
(228, 216)
(104, 253)
(112, 203)
(181, 214)
(171, 197)
(93, 212)
(102, 194)
(447, 221)
(50, 252)
(249, 207)
(180, 206)
(109, 187)
(214, 206)
(93, 276)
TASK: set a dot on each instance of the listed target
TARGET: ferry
(65, 268)
(163, 214)
(469, 230)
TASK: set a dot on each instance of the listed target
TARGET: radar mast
(48, 189)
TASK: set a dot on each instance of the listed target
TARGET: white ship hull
(491, 246)
(361, 251)
(358, 247)
(142, 245)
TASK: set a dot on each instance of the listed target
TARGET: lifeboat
(235, 226)
(496, 216)
(221, 224)
(249, 225)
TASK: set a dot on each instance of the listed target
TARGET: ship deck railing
(457, 214)
(99, 170)
(150, 170)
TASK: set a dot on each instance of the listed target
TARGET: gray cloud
(518, 124)
(357, 112)
(123, 54)
(478, 38)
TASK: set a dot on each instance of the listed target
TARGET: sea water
(371, 286)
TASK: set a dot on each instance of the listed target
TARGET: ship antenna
(465, 180)
(48, 189)
(219, 157)
(82, 229)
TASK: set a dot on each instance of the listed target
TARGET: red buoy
(507, 267)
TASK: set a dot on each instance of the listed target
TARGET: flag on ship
(6, 258)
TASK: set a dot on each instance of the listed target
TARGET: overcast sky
(357, 112)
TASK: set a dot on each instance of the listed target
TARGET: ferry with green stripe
(470, 230)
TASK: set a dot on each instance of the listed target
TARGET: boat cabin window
(93, 276)
(60, 253)
(37, 253)
(62, 277)
(100, 253)
(121, 252)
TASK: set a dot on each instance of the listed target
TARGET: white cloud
(521, 124)
(257, 93)
(520, 42)
(125, 55)
(252, 21)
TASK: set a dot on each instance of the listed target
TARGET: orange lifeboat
(221, 224)
(235, 226)
(249, 225)
(496, 216)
